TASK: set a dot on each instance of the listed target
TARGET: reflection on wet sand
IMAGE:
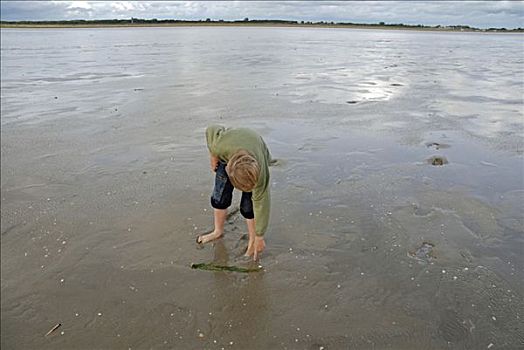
(105, 186)
(239, 304)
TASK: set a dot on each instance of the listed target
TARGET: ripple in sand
(436, 145)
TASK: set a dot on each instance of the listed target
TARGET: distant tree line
(141, 21)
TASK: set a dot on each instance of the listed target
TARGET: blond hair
(243, 171)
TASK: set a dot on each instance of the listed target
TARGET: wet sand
(105, 184)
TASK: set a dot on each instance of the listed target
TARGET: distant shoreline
(256, 24)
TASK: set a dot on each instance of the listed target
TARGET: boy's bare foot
(203, 239)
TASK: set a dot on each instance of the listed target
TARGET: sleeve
(212, 135)
(261, 203)
(261, 206)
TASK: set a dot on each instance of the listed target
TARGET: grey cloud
(22, 10)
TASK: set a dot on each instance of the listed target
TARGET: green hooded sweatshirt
(224, 142)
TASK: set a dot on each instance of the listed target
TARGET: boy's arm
(212, 136)
(213, 160)
(261, 206)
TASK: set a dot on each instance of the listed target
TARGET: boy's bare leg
(220, 219)
(252, 233)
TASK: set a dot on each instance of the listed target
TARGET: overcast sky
(482, 14)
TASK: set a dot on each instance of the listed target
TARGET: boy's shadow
(230, 250)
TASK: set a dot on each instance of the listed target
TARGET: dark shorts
(223, 194)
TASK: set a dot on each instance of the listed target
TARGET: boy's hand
(255, 247)
(259, 246)
(213, 162)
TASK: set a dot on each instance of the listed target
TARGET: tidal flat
(397, 198)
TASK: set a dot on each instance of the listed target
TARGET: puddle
(424, 253)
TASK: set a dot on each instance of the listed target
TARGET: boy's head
(243, 171)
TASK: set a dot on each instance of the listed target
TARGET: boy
(240, 159)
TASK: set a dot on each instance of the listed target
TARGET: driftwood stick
(53, 329)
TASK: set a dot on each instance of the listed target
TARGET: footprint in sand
(438, 160)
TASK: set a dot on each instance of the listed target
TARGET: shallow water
(105, 184)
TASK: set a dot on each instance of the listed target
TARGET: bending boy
(240, 159)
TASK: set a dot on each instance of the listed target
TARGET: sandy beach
(105, 184)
